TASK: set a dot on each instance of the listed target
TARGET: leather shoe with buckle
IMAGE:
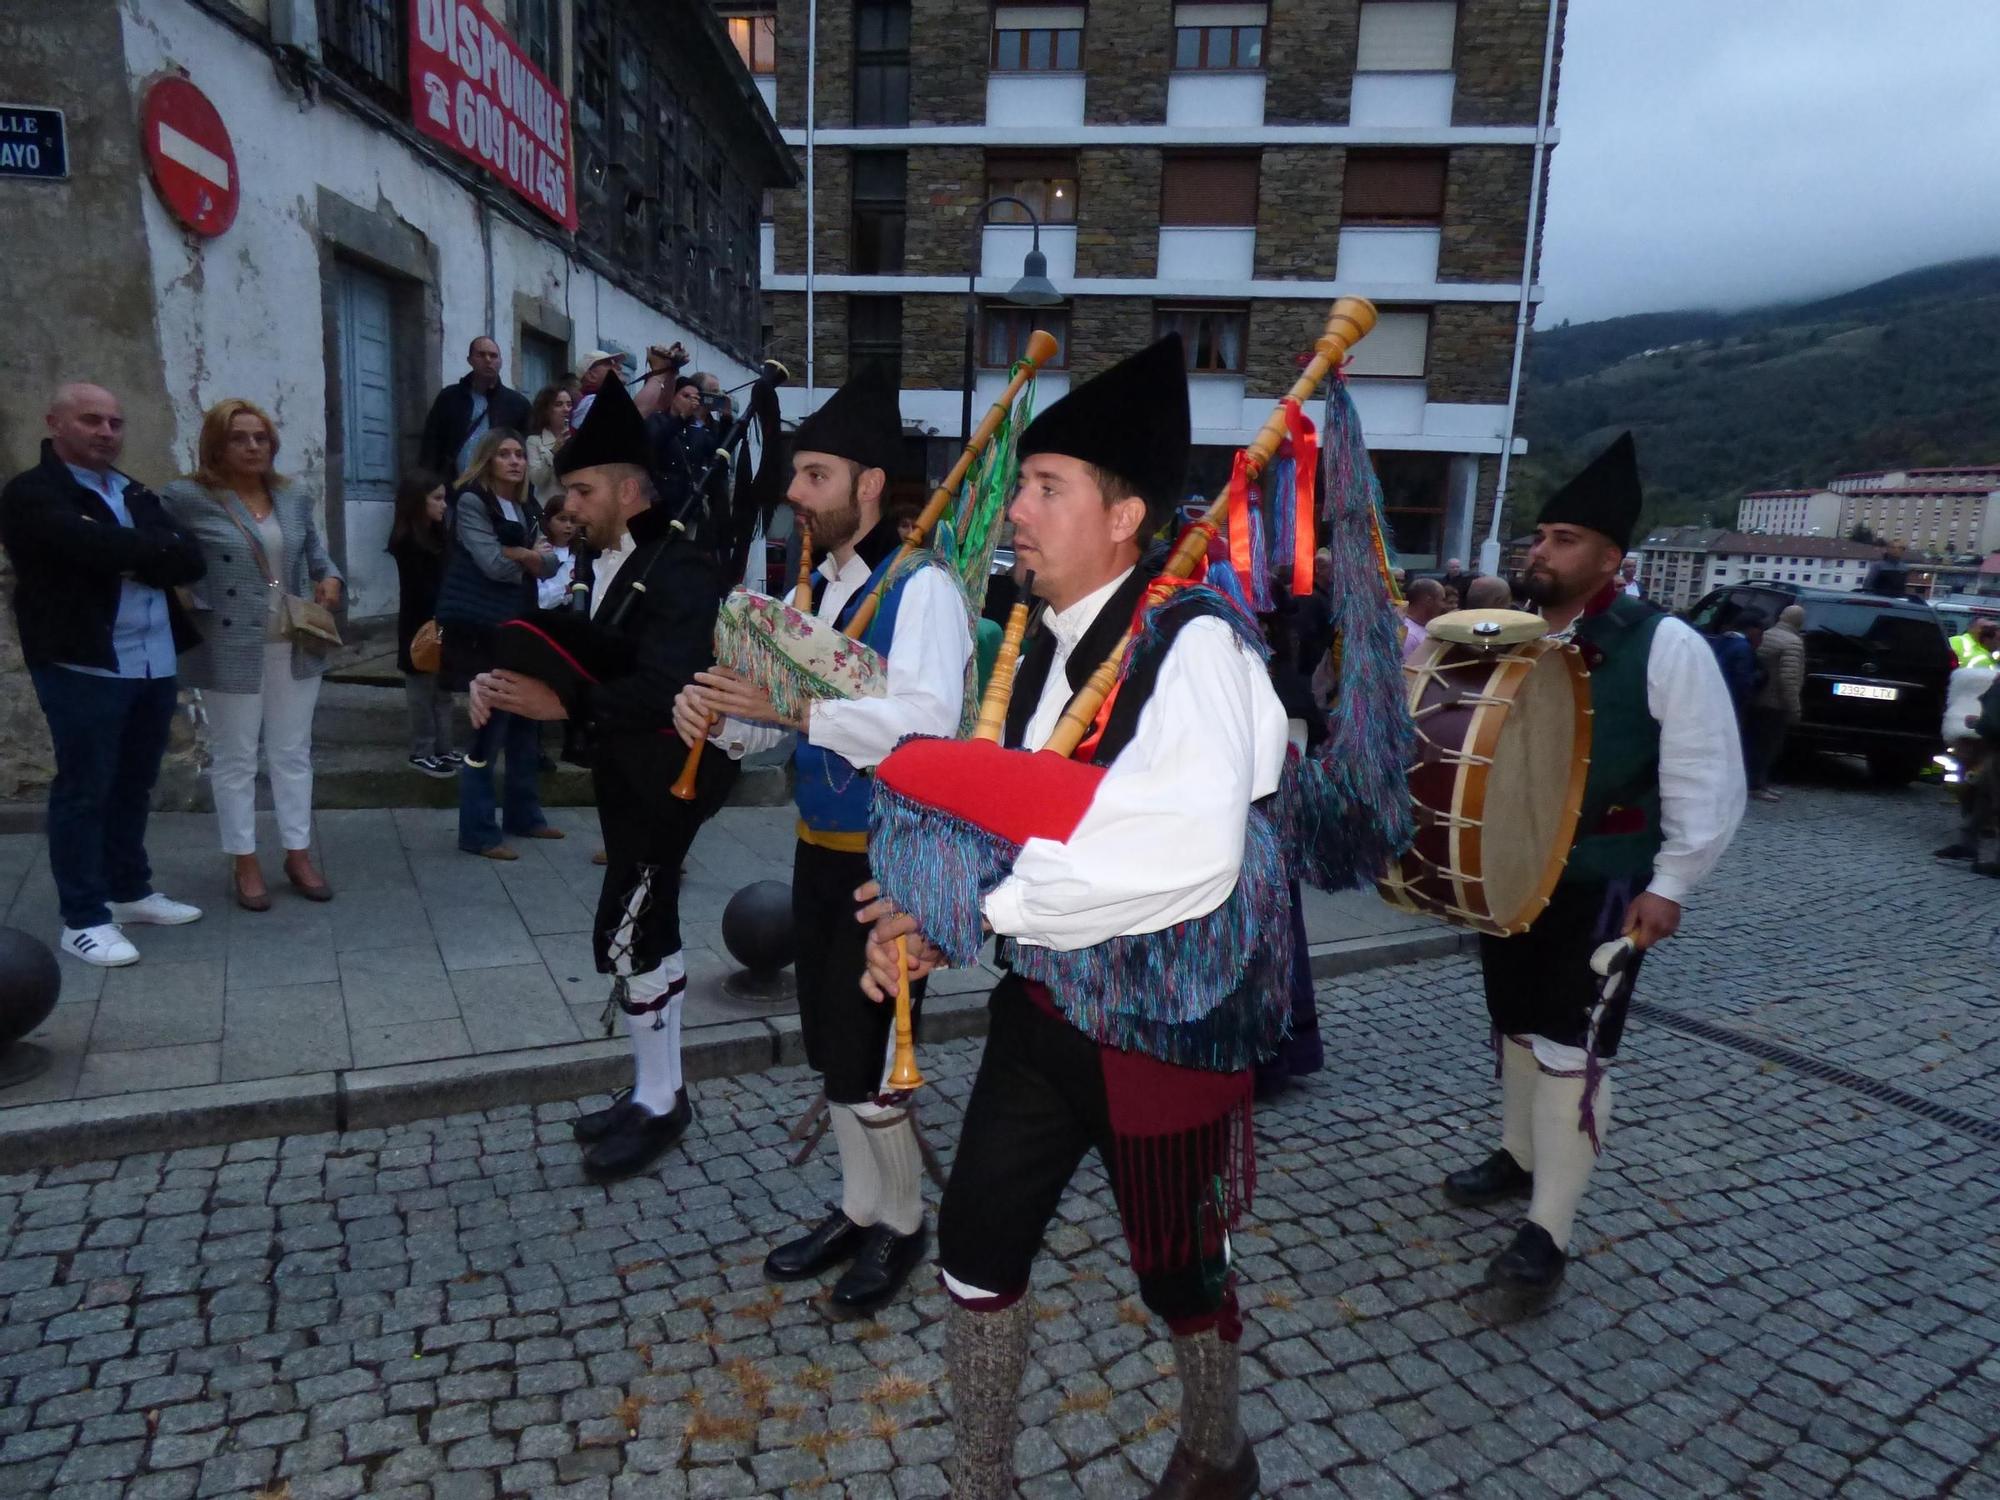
(637, 1141)
(595, 1126)
(1531, 1265)
(1190, 1478)
(881, 1266)
(1497, 1178)
(835, 1239)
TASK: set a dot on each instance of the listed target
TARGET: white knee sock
(899, 1166)
(1519, 1075)
(656, 1035)
(860, 1183)
(1563, 1152)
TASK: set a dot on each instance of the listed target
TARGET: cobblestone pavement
(1785, 1286)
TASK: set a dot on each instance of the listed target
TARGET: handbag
(303, 622)
(427, 647)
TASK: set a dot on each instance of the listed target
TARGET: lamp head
(1034, 289)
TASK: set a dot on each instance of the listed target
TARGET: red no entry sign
(188, 150)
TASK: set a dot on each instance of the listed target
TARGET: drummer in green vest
(1662, 799)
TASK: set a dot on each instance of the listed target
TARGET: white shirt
(552, 590)
(1163, 839)
(1701, 758)
(604, 567)
(925, 693)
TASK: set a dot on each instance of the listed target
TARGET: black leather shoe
(599, 1123)
(881, 1265)
(1954, 851)
(1494, 1179)
(1189, 1478)
(835, 1240)
(637, 1141)
(1532, 1264)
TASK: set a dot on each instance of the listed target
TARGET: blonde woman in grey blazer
(255, 682)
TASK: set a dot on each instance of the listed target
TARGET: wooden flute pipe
(992, 723)
(1346, 325)
(903, 1074)
(1041, 348)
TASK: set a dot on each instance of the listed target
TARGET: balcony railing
(363, 42)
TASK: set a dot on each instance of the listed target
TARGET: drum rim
(1509, 669)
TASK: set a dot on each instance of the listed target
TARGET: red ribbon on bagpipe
(1305, 484)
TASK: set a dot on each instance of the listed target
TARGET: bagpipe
(798, 659)
(950, 816)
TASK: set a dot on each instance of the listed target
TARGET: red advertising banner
(475, 90)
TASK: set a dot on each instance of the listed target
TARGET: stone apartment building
(1679, 564)
(1223, 169)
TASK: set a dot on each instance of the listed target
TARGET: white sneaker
(104, 946)
(155, 911)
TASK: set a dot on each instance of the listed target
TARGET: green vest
(1618, 833)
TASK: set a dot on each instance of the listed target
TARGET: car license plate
(1865, 690)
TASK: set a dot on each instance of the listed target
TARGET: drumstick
(683, 786)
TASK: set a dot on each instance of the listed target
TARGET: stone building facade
(1228, 169)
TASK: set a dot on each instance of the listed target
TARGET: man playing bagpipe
(1141, 945)
(842, 456)
(1663, 797)
(614, 674)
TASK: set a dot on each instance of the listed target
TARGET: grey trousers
(430, 713)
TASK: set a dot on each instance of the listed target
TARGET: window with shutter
(1398, 348)
(1208, 191)
(1219, 38)
(1394, 187)
(1406, 36)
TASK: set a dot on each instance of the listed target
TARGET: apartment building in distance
(1678, 564)
(1223, 169)
(1935, 513)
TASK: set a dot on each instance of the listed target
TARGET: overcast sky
(1720, 153)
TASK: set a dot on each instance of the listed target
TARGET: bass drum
(1504, 741)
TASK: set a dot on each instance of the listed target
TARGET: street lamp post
(1034, 289)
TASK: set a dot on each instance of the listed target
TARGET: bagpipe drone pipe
(950, 816)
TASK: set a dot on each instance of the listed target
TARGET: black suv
(1876, 669)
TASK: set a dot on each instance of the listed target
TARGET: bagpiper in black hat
(614, 433)
(1131, 421)
(1604, 497)
(860, 422)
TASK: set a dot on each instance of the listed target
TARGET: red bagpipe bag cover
(949, 818)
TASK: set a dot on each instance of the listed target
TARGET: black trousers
(647, 833)
(846, 1034)
(1540, 983)
(1037, 1106)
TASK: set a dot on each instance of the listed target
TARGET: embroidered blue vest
(833, 793)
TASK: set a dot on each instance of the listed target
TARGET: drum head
(1487, 628)
(1532, 790)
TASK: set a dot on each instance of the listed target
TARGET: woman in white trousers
(258, 683)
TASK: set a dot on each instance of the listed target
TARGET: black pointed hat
(1132, 420)
(1605, 496)
(613, 432)
(861, 422)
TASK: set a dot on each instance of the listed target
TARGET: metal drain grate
(1976, 1126)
